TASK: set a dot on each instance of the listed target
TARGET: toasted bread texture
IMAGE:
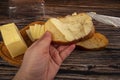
(70, 28)
(96, 42)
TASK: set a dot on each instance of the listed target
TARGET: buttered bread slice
(70, 28)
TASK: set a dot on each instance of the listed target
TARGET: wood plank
(4, 7)
(83, 76)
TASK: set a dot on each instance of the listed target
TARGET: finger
(55, 55)
(61, 48)
(34, 43)
(45, 41)
(66, 52)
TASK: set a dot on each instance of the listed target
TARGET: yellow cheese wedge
(13, 39)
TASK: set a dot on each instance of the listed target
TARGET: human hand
(42, 60)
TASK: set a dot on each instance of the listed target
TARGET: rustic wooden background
(80, 65)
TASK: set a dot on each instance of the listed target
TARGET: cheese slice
(35, 31)
(42, 31)
(13, 39)
(37, 28)
(29, 35)
(32, 33)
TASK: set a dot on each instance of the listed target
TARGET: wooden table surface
(80, 65)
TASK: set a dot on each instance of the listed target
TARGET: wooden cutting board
(4, 53)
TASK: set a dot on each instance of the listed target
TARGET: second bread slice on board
(96, 42)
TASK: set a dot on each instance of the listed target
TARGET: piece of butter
(13, 39)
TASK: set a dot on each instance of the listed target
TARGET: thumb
(45, 40)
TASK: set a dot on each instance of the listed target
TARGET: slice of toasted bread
(96, 42)
(70, 28)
